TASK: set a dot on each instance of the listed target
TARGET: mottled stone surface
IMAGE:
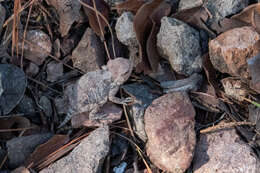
(54, 71)
(125, 30)
(187, 4)
(169, 125)
(224, 152)
(180, 44)
(87, 157)
(89, 55)
(37, 47)
(230, 51)
(32, 69)
(254, 72)
(222, 8)
(233, 88)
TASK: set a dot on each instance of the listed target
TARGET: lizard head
(120, 69)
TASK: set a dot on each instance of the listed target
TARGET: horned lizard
(95, 88)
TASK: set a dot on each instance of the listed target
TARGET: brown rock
(233, 88)
(224, 152)
(89, 54)
(254, 71)
(169, 125)
(37, 46)
(229, 51)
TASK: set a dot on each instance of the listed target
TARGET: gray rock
(254, 116)
(21, 147)
(223, 152)
(87, 157)
(125, 30)
(45, 104)
(38, 46)
(54, 71)
(26, 105)
(143, 98)
(112, 3)
(32, 69)
(61, 105)
(89, 55)
(180, 44)
(2, 16)
(187, 4)
(220, 9)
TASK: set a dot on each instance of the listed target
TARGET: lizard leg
(117, 100)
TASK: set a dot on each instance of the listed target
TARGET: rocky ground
(130, 86)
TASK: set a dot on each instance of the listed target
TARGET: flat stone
(87, 157)
(187, 4)
(143, 98)
(180, 44)
(20, 148)
(220, 9)
(89, 55)
(111, 113)
(54, 71)
(233, 88)
(2, 16)
(26, 105)
(125, 30)
(230, 51)
(32, 69)
(254, 72)
(169, 125)
(46, 106)
(223, 152)
(37, 47)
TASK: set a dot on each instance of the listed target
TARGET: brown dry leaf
(142, 26)
(227, 24)
(247, 14)
(153, 56)
(43, 152)
(196, 17)
(8, 124)
(130, 5)
(256, 21)
(103, 8)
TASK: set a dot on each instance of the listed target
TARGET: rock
(2, 17)
(120, 168)
(254, 116)
(46, 106)
(88, 156)
(38, 46)
(180, 44)
(254, 72)
(111, 113)
(20, 148)
(187, 4)
(143, 98)
(69, 12)
(224, 152)
(164, 72)
(169, 125)
(21, 170)
(192, 83)
(220, 9)
(125, 30)
(233, 88)
(89, 55)
(26, 105)
(12, 87)
(61, 105)
(54, 71)
(230, 51)
(32, 69)
(112, 3)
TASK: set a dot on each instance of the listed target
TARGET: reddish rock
(230, 51)
(169, 125)
(224, 152)
(89, 55)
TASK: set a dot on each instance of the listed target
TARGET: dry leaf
(103, 8)
(247, 14)
(130, 5)
(256, 21)
(142, 26)
(196, 17)
(227, 24)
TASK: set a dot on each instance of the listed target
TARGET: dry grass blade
(15, 32)
(138, 149)
(105, 20)
(224, 126)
